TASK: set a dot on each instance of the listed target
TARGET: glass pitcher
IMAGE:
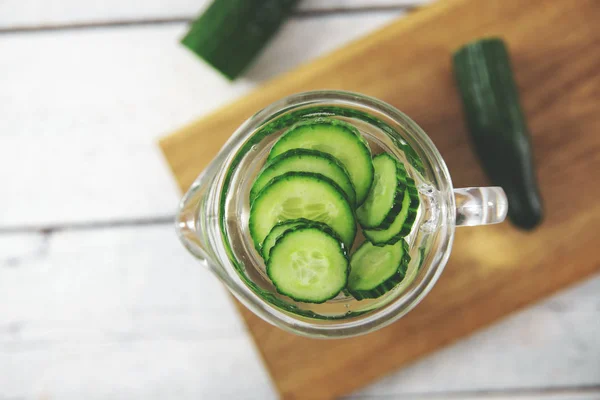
(212, 221)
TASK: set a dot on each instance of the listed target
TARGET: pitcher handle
(480, 205)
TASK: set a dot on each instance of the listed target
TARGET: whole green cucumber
(497, 125)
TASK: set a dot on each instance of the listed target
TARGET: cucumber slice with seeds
(308, 264)
(283, 227)
(384, 201)
(337, 138)
(376, 270)
(305, 160)
(296, 195)
(403, 223)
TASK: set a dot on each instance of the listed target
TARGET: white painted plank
(17, 249)
(567, 395)
(550, 394)
(315, 5)
(82, 111)
(149, 370)
(127, 312)
(32, 13)
(114, 284)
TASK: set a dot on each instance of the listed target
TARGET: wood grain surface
(493, 271)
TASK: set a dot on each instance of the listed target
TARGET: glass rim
(405, 301)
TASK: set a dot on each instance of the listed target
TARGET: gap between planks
(305, 13)
(524, 393)
(88, 225)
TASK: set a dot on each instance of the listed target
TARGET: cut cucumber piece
(308, 264)
(231, 33)
(375, 270)
(385, 197)
(498, 127)
(338, 138)
(305, 160)
(306, 195)
(283, 227)
(403, 223)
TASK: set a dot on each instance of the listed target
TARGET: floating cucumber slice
(402, 224)
(384, 200)
(283, 227)
(308, 264)
(306, 195)
(375, 270)
(337, 138)
(305, 160)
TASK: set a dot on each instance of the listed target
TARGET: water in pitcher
(235, 208)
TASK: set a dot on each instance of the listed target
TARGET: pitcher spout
(189, 234)
(191, 218)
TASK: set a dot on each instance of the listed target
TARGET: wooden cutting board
(493, 271)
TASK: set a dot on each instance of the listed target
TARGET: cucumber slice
(231, 33)
(376, 270)
(308, 264)
(385, 197)
(403, 223)
(305, 160)
(296, 195)
(340, 139)
(283, 227)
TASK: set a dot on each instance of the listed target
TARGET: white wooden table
(97, 297)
